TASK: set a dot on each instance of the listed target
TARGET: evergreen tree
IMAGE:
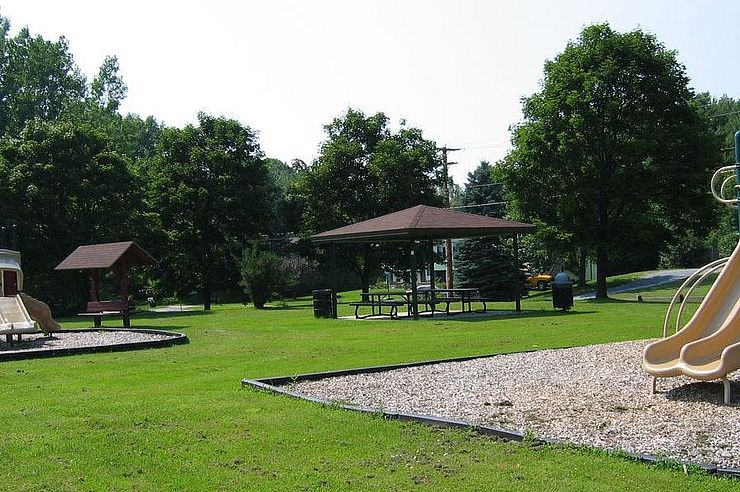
(486, 263)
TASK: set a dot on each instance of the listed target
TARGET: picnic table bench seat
(105, 309)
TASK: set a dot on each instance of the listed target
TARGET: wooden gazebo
(425, 223)
(97, 259)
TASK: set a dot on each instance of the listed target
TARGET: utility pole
(448, 242)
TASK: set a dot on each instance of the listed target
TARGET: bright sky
(457, 69)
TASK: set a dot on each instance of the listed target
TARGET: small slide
(708, 347)
(14, 318)
(40, 313)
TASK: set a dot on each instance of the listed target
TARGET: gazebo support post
(95, 285)
(414, 292)
(121, 272)
(517, 289)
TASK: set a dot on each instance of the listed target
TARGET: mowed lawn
(178, 418)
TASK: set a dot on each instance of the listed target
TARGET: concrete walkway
(649, 279)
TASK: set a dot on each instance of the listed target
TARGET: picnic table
(465, 296)
(376, 301)
(428, 299)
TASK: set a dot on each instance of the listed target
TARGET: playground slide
(14, 317)
(40, 313)
(708, 347)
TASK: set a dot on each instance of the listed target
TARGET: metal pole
(737, 175)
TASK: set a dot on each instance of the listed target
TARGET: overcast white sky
(455, 69)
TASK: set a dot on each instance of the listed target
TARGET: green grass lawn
(178, 418)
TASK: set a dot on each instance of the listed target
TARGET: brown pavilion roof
(104, 256)
(422, 222)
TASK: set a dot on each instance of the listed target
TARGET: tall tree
(38, 79)
(611, 149)
(365, 170)
(211, 190)
(724, 116)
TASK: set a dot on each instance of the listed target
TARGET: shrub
(260, 271)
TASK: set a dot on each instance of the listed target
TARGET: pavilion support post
(431, 265)
(448, 264)
(517, 287)
(414, 291)
(333, 278)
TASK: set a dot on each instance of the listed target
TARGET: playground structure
(708, 346)
(98, 259)
(20, 313)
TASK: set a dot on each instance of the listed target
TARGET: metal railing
(722, 193)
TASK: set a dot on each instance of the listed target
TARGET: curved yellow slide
(708, 347)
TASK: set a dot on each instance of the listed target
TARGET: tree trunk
(582, 266)
(206, 298)
(602, 258)
(365, 269)
(365, 281)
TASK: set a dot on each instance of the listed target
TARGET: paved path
(649, 279)
(175, 308)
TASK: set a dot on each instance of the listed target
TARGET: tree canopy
(611, 150)
(365, 170)
(64, 186)
(211, 191)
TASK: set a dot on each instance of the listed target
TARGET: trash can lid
(561, 279)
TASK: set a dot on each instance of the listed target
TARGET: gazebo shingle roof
(104, 256)
(422, 222)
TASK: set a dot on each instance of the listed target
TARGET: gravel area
(596, 396)
(88, 338)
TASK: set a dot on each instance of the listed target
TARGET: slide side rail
(687, 288)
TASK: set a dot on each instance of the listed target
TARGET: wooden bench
(105, 309)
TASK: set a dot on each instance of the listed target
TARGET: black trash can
(324, 303)
(562, 292)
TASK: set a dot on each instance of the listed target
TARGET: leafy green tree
(611, 150)
(724, 115)
(108, 88)
(38, 79)
(63, 186)
(210, 188)
(365, 170)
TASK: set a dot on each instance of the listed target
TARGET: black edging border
(273, 385)
(174, 338)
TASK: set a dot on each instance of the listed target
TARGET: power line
(480, 205)
(723, 114)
